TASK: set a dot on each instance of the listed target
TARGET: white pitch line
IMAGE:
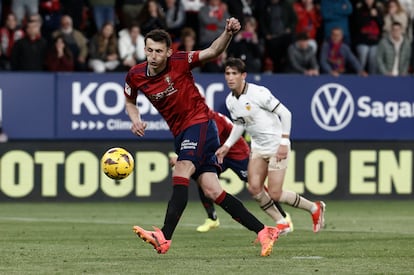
(307, 257)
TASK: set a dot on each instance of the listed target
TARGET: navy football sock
(238, 212)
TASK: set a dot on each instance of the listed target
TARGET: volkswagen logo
(332, 107)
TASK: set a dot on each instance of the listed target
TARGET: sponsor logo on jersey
(188, 145)
(167, 92)
(190, 56)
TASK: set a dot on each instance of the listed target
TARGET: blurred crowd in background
(309, 37)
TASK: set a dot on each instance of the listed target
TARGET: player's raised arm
(221, 43)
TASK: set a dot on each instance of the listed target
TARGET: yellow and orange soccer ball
(117, 163)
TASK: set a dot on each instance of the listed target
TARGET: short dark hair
(159, 35)
(235, 63)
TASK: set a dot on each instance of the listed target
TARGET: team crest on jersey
(168, 80)
(248, 106)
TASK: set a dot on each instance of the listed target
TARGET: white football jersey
(254, 110)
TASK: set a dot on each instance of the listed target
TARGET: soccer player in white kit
(255, 110)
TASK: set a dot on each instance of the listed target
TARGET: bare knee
(255, 189)
(184, 168)
(210, 185)
(275, 193)
(212, 193)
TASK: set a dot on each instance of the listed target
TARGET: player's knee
(184, 168)
(275, 193)
(254, 189)
(212, 191)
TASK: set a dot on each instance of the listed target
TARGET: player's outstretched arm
(221, 43)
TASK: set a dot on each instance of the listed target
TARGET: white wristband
(285, 141)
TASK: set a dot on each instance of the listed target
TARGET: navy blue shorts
(198, 144)
(238, 166)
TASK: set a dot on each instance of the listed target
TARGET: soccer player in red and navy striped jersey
(166, 80)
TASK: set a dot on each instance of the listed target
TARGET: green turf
(363, 237)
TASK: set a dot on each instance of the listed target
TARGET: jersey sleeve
(267, 100)
(193, 59)
(184, 61)
(130, 90)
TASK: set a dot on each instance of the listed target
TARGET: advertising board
(70, 171)
(91, 106)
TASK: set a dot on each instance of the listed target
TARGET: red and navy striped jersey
(172, 92)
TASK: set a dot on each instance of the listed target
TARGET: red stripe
(221, 197)
(181, 181)
(202, 139)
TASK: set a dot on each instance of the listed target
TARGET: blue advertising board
(91, 106)
(347, 107)
(28, 105)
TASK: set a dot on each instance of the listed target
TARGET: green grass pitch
(360, 237)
